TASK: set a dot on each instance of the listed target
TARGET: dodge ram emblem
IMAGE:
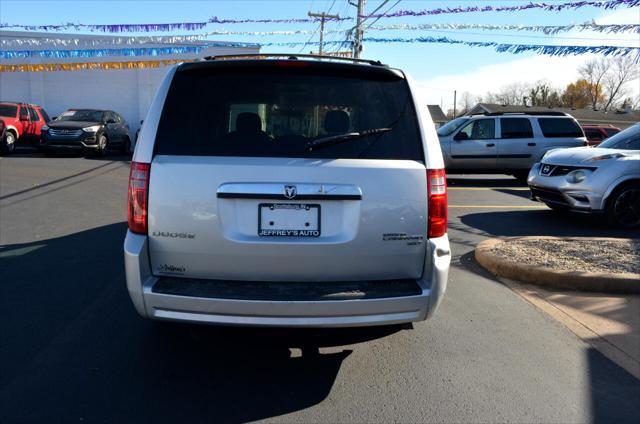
(290, 191)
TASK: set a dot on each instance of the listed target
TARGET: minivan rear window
(274, 111)
(560, 127)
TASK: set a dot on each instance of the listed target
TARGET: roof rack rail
(290, 56)
(541, 113)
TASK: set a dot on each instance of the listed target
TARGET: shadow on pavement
(73, 348)
(457, 181)
(32, 152)
(543, 223)
(611, 388)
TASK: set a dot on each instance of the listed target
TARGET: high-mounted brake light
(138, 197)
(437, 192)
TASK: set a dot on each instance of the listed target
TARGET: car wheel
(623, 206)
(102, 145)
(9, 143)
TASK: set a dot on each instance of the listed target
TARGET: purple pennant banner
(193, 26)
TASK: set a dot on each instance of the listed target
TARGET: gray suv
(506, 143)
(287, 191)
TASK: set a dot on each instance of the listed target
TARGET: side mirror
(461, 136)
(24, 117)
(111, 121)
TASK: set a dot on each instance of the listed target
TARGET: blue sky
(437, 66)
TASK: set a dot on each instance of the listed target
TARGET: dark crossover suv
(88, 130)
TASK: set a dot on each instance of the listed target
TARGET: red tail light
(437, 192)
(138, 197)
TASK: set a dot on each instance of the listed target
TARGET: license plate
(288, 220)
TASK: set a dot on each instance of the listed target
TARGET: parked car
(292, 191)
(88, 130)
(597, 133)
(603, 179)
(23, 122)
(506, 143)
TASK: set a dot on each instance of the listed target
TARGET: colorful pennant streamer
(193, 26)
(551, 50)
(25, 42)
(130, 51)
(53, 67)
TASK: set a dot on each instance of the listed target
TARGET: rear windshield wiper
(342, 138)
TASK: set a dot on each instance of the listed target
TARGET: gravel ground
(608, 256)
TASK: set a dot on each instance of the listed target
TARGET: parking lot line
(489, 188)
(499, 206)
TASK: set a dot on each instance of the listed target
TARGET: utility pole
(323, 16)
(359, 32)
(454, 103)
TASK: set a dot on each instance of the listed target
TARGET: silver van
(287, 191)
(506, 143)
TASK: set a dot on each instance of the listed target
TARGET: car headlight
(44, 128)
(605, 157)
(91, 129)
(577, 176)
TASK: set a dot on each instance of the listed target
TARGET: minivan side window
(515, 128)
(560, 127)
(481, 129)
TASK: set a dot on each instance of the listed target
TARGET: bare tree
(513, 94)
(467, 102)
(621, 70)
(594, 73)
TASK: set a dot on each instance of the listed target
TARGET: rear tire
(623, 206)
(9, 143)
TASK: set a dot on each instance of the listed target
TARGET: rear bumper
(158, 304)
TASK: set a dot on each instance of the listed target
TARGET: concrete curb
(587, 281)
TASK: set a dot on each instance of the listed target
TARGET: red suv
(23, 123)
(597, 133)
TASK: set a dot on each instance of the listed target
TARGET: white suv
(287, 191)
(506, 143)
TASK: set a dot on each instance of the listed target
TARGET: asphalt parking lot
(73, 349)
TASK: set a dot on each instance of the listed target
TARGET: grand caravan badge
(169, 234)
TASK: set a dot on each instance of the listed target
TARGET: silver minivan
(287, 191)
(506, 143)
